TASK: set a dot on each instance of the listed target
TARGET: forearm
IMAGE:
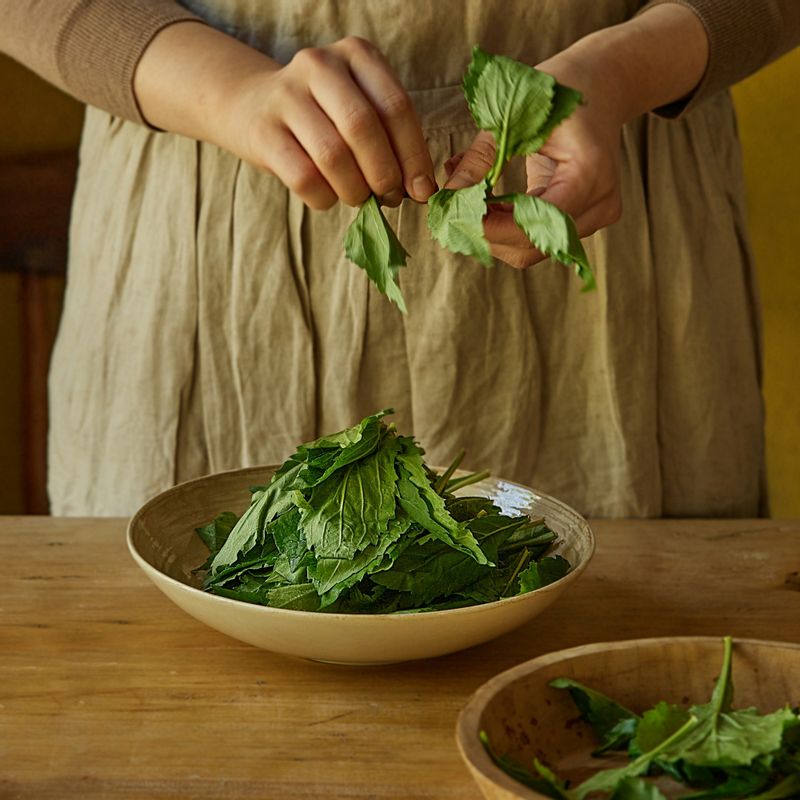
(647, 62)
(88, 48)
(190, 74)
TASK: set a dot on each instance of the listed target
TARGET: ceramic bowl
(162, 540)
(525, 718)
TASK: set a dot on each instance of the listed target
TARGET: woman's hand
(577, 170)
(653, 59)
(333, 124)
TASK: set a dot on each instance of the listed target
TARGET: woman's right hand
(333, 124)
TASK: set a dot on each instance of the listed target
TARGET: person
(211, 320)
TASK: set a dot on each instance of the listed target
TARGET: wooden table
(107, 690)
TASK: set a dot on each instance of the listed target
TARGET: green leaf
(341, 440)
(788, 787)
(289, 537)
(613, 723)
(545, 786)
(636, 789)
(429, 571)
(455, 220)
(733, 738)
(723, 737)
(372, 245)
(249, 531)
(352, 508)
(216, 533)
(658, 724)
(553, 232)
(332, 576)
(608, 779)
(541, 573)
(421, 502)
(509, 99)
(565, 101)
(300, 597)
(737, 782)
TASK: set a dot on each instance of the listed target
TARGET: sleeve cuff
(99, 46)
(743, 35)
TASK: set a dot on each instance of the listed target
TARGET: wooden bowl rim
(467, 726)
(397, 619)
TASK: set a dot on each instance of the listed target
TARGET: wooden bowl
(526, 718)
(162, 540)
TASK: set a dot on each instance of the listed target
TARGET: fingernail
(423, 187)
(393, 198)
(459, 180)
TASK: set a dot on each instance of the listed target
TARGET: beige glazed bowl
(525, 718)
(162, 540)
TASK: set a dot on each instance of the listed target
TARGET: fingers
(451, 164)
(475, 162)
(373, 75)
(292, 165)
(317, 135)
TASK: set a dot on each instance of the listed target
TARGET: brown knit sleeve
(743, 35)
(88, 48)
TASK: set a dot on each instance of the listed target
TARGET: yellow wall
(35, 118)
(769, 126)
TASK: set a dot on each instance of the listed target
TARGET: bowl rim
(152, 571)
(467, 726)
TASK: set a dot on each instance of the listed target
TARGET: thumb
(567, 195)
(475, 163)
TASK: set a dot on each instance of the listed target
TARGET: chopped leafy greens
(714, 749)
(520, 106)
(356, 522)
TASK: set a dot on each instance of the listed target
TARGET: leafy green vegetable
(520, 106)
(371, 243)
(356, 522)
(636, 789)
(510, 100)
(455, 220)
(614, 724)
(553, 233)
(716, 749)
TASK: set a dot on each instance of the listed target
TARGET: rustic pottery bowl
(525, 718)
(162, 540)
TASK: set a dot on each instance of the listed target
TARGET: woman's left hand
(577, 170)
(655, 58)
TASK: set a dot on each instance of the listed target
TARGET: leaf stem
(502, 198)
(521, 562)
(467, 480)
(441, 483)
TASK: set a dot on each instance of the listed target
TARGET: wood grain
(109, 691)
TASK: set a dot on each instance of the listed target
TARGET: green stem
(441, 483)
(534, 541)
(502, 198)
(467, 480)
(596, 782)
(518, 567)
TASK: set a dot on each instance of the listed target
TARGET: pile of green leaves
(357, 522)
(714, 749)
(521, 107)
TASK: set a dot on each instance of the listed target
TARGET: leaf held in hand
(455, 220)
(553, 232)
(371, 243)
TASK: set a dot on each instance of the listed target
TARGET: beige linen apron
(212, 322)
